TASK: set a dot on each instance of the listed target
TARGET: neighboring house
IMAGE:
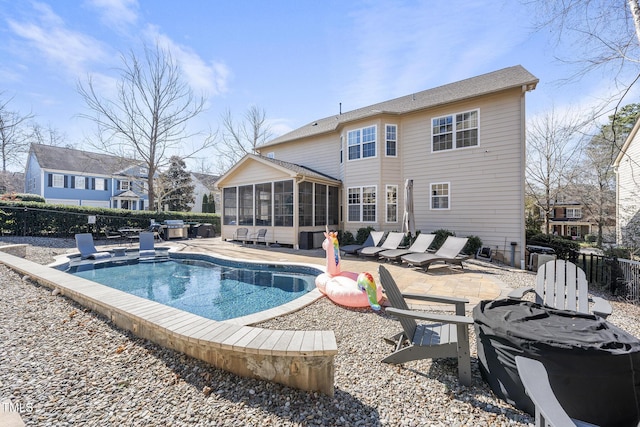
(204, 185)
(462, 144)
(11, 182)
(74, 177)
(567, 220)
(627, 168)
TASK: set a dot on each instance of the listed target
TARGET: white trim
(361, 143)
(385, 140)
(448, 184)
(386, 202)
(361, 204)
(453, 131)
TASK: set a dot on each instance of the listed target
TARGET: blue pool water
(210, 290)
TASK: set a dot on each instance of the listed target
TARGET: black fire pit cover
(593, 366)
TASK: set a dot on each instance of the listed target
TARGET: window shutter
(66, 181)
(93, 183)
(73, 181)
(105, 185)
(50, 180)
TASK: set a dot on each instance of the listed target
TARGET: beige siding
(254, 173)
(628, 189)
(321, 154)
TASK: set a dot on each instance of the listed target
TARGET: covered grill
(175, 229)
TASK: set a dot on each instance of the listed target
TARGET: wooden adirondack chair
(445, 336)
(563, 285)
(549, 412)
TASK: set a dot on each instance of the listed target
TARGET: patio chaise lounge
(444, 336)
(374, 239)
(393, 240)
(87, 249)
(449, 253)
(420, 245)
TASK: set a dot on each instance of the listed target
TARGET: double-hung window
(125, 185)
(574, 213)
(392, 203)
(58, 181)
(440, 196)
(361, 143)
(361, 204)
(80, 182)
(391, 132)
(455, 131)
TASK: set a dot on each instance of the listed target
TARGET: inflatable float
(344, 287)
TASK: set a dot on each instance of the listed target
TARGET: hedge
(42, 219)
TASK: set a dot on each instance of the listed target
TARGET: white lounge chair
(449, 253)
(419, 246)
(87, 249)
(393, 240)
(147, 248)
(374, 239)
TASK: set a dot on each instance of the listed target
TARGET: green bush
(363, 234)
(473, 244)
(441, 236)
(345, 238)
(564, 248)
(590, 238)
(24, 197)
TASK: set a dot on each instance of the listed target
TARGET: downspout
(523, 159)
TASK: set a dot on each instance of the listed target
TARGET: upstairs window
(125, 185)
(574, 213)
(80, 182)
(391, 140)
(362, 143)
(58, 181)
(455, 131)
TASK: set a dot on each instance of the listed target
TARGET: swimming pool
(214, 289)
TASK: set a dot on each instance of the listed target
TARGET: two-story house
(462, 144)
(627, 168)
(567, 220)
(74, 177)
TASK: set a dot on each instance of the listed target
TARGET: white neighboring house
(204, 184)
(627, 168)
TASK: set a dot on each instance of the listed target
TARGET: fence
(616, 276)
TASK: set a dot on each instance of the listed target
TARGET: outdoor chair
(111, 235)
(563, 285)
(241, 234)
(393, 240)
(87, 249)
(548, 410)
(374, 239)
(420, 245)
(444, 336)
(260, 236)
(147, 248)
(449, 252)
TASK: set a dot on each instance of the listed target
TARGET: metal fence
(616, 276)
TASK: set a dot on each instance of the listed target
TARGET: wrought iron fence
(630, 272)
(616, 276)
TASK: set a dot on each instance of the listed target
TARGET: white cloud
(117, 14)
(49, 36)
(210, 77)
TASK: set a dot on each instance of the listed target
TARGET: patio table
(593, 366)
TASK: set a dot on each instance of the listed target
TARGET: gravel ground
(64, 365)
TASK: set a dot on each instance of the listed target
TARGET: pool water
(204, 288)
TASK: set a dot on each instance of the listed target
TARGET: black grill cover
(593, 366)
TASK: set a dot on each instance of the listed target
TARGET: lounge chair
(374, 239)
(84, 243)
(147, 249)
(449, 253)
(563, 285)
(448, 337)
(549, 411)
(420, 245)
(393, 240)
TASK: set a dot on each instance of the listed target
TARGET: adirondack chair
(548, 410)
(563, 285)
(445, 336)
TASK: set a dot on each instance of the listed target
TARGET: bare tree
(553, 155)
(14, 138)
(241, 138)
(148, 118)
(47, 135)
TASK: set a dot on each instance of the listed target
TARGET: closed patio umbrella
(408, 220)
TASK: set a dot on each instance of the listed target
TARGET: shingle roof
(72, 160)
(300, 170)
(206, 179)
(504, 79)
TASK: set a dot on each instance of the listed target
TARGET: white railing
(631, 273)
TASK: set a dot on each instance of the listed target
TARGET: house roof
(627, 142)
(292, 169)
(496, 81)
(207, 180)
(72, 160)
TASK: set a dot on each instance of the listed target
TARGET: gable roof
(207, 180)
(72, 160)
(292, 169)
(496, 81)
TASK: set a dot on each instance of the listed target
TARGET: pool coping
(299, 359)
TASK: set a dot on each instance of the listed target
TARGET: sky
(298, 60)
